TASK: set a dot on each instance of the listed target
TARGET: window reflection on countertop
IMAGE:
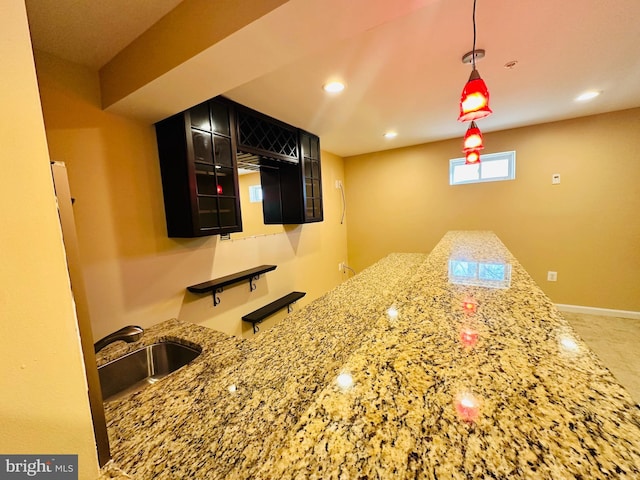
(492, 274)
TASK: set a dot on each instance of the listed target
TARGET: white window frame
(485, 159)
(255, 193)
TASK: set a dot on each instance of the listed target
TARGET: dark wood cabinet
(197, 150)
(292, 192)
(310, 169)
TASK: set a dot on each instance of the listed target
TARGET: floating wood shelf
(217, 285)
(260, 314)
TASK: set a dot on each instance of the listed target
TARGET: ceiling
(403, 72)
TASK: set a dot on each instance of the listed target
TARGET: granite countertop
(346, 388)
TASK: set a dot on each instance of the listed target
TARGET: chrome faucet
(127, 334)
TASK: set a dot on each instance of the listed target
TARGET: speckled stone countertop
(472, 374)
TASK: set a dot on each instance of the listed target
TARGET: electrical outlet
(555, 179)
(552, 276)
(341, 267)
(338, 184)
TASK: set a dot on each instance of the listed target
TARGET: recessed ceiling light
(390, 134)
(587, 96)
(333, 87)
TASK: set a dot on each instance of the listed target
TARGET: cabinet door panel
(205, 179)
(222, 151)
(310, 207)
(220, 117)
(314, 148)
(316, 187)
(226, 181)
(200, 117)
(315, 169)
(305, 145)
(227, 211)
(208, 212)
(202, 146)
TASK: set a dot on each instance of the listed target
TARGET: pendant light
(472, 157)
(473, 138)
(474, 101)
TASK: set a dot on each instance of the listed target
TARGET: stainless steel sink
(134, 371)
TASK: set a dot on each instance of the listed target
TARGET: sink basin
(134, 371)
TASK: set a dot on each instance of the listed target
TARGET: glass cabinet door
(214, 168)
(310, 146)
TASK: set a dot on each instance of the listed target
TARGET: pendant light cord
(473, 54)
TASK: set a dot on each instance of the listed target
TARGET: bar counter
(448, 365)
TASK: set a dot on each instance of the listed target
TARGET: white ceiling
(404, 73)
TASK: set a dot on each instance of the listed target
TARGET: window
(255, 193)
(492, 168)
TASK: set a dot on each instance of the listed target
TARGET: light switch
(555, 178)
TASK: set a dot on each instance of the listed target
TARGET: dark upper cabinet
(197, 150)
(292, 192)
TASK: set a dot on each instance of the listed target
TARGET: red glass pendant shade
(473, 138)
(474, 101)
(471, 157)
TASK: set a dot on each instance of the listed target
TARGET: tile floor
(616, 341)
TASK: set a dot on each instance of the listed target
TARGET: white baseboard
(606, 312)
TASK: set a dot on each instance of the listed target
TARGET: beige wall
(586, 228)
(252, 219)
(44, 407)
(134, 273)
